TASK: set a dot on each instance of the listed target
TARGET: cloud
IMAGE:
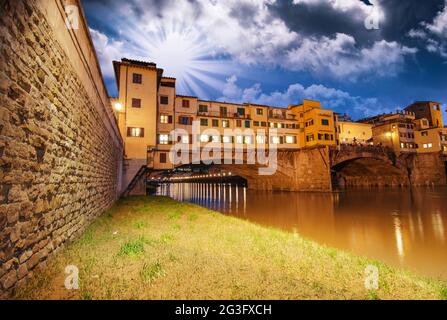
(258, 33)
(295, 93)
(433, 34)
(340, 57)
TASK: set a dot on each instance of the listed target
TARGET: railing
(282, 117)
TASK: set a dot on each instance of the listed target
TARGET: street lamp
(118, 106)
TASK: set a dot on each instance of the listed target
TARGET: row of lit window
(239, 139)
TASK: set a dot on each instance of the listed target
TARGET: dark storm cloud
(402, 16)
(244, 13)
(321, 19)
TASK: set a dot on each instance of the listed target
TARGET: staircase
(141, 174)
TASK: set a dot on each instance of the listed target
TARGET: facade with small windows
(349, 132)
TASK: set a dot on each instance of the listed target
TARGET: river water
(403, 227)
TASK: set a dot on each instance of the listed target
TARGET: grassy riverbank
(156, 248)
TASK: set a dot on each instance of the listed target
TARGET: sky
(357, 57)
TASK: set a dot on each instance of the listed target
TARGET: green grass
(157, 248)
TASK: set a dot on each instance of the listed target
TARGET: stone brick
(9, 279)
(59, 159)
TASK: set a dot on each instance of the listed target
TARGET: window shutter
(169, 119)
(142, 132)
(129, 131)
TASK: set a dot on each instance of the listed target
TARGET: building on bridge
(148, 109)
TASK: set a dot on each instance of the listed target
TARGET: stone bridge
(324, 168)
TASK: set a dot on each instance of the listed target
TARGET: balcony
(282, 116)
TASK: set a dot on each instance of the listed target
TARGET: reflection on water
(404, 227)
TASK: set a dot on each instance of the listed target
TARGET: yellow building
(349, 132)
(316, 125)
(428, 110)
(394, 130)
(153, 117)
(430, 139)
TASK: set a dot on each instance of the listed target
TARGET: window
(135, 132)
(290, 139)
(279, 125)
(163, 139)
(184, 120)
(260, 139)
(225, 123)
(310, 123)
(203, 108)
(275, 140)
(203, 122)
(424, 133)
(164, 100)
(320, 136)
(256, 123)
(185, 103)
(215, 122)
(204, 138)
(167, 84)
(241, 111)
(238, 123)
(226, 139)
(325, 122)
(247, 139)
(136, 103)
(272, 125)
(240, 139)
(263, 124)
(427, 145)
(327, 136)
(185, 139)
(223, 111)
(165, 119)
(137, 78)
(259, 111)
(310, 137)
(162, 157)
(215, 139)
(247, 123)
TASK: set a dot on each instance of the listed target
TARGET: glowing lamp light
(118, 106)
(389, 134)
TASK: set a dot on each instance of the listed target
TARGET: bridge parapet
(342, 153)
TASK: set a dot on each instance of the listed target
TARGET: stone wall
(60, 149)
(428, 169)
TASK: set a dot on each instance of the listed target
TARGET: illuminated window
(226, 139)
(164, 119)
(424, 133)
(427, 145)
(260, 139)
(204, 138)
(215, 139)
(164, 139)
(275, 140)
(239, 139)
(225, 123)
(135, 132)
(280, 125)
(247, 139)
(185, 139)
(290, 139)
(259, 111)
